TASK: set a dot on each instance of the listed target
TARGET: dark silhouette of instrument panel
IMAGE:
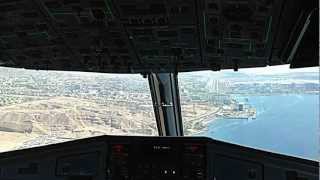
(138, 35)
(238, 33)
(152, 158)
(163, 32)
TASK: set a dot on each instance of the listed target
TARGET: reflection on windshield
(273, 109)
(40, 107)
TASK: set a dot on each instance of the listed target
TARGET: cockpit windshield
(273, 109)
(47, 107)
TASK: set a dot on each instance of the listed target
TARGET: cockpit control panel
(152, 158)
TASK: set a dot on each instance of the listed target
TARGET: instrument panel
(152, 158)
(159, 160)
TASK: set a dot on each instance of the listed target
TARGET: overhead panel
(145, 36)
(164, 33)
(237, 33)
(96, 38)
(25, 36)
(64, 35)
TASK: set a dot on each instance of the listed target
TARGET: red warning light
(193, 148)
(118, 148)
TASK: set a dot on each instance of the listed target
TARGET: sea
(285, 124)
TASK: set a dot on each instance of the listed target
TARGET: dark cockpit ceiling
(141, 36)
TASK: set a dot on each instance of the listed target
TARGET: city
(45, 107)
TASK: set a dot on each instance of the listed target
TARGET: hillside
(65, 118)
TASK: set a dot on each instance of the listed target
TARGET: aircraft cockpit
(159, 90)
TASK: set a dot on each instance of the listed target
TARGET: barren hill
(68, 118)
